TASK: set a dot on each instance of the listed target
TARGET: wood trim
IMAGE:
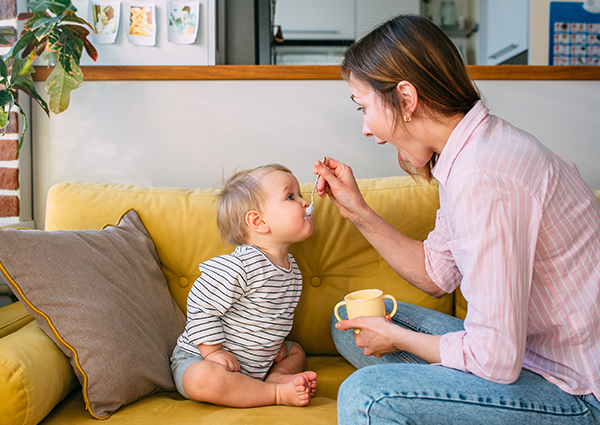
(306, 72)
(531, 72)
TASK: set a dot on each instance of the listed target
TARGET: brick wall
(9, 158)
(9, 173)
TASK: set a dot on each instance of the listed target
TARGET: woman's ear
(408, 98)
(255, 222)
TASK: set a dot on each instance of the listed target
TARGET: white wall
(190, 133)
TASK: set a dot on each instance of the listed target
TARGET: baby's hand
(225, 358)
(282, 354)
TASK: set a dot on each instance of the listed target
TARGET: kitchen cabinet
(317, 32)
(336, 19)
(315, 19)
(503, 30)
(370, 13)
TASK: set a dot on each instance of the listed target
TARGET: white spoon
(311, 208)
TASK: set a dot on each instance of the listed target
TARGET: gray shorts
(181, 360)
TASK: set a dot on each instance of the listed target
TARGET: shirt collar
(458, 139)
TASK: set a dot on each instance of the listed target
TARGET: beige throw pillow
(101, 297)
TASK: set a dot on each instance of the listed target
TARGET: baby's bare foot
(311, 379)
(296, 390)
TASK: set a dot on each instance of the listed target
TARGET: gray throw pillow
(101, 296)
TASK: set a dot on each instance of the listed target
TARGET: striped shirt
(519, 231)
(245, 303)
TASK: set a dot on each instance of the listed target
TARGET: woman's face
(378, 122)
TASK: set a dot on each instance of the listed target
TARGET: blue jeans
(401, 388)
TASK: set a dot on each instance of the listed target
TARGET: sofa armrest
(34, 376)
(12, 318)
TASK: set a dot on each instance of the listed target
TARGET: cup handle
(335, 309)
(391, 297)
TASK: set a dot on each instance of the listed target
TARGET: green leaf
(40, 6)
(7, 32)
(31, 19)
(70, 16)
(60, 84)
(5, 97)
(46, 21)
(24, 116)
(21, 79)
(66, 47)
(16, 68)
(23, 42)
(3, 69)
(4, 118)
(68, 5)
(21, 67)
(56, 7)
(24, 16)
(82, 33)
(30, 90)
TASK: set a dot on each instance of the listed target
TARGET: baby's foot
(296, 390)
(311, 379)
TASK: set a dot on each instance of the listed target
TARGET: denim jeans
(401, 388)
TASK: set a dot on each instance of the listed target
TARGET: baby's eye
(290, 197)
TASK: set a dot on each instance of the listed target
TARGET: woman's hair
(412, 48)
(241, 193)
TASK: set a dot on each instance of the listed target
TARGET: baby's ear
(255, 222)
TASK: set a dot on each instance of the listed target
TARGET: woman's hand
(379, 336)
(375, 336)
(337, 181)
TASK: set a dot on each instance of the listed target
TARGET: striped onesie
(245, 303)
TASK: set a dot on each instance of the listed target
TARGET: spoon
(311, 208)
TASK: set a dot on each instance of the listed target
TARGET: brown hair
(412, 48)
(241, 193)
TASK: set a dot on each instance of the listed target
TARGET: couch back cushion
(335, 260)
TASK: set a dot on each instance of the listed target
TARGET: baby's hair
(241, 193)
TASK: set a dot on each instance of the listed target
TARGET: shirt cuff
(451, 350)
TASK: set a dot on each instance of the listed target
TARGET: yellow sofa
(40, 386)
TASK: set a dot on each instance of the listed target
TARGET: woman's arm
(379, 336)
(405, 255)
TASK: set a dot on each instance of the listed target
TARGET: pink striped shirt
(519, 231)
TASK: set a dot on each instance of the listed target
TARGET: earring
(407, 119)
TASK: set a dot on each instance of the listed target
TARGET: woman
(517, 229)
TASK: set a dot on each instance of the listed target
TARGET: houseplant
(53, 29)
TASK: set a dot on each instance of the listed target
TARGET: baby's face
(284, 209)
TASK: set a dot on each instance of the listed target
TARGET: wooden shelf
(307, 72)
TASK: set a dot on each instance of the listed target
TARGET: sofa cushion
(335, 260)
(170, 408)
(12, 318)
(101, 297)
(35, 376)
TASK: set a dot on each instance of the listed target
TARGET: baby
(240, 310)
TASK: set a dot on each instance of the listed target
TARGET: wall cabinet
(336, 19)
(319, 31)
(503, 30)
(315, 19)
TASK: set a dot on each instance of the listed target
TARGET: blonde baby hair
(241, 193)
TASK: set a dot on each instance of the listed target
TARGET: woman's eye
(361, 109)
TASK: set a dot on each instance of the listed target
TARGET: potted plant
(51, 28)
